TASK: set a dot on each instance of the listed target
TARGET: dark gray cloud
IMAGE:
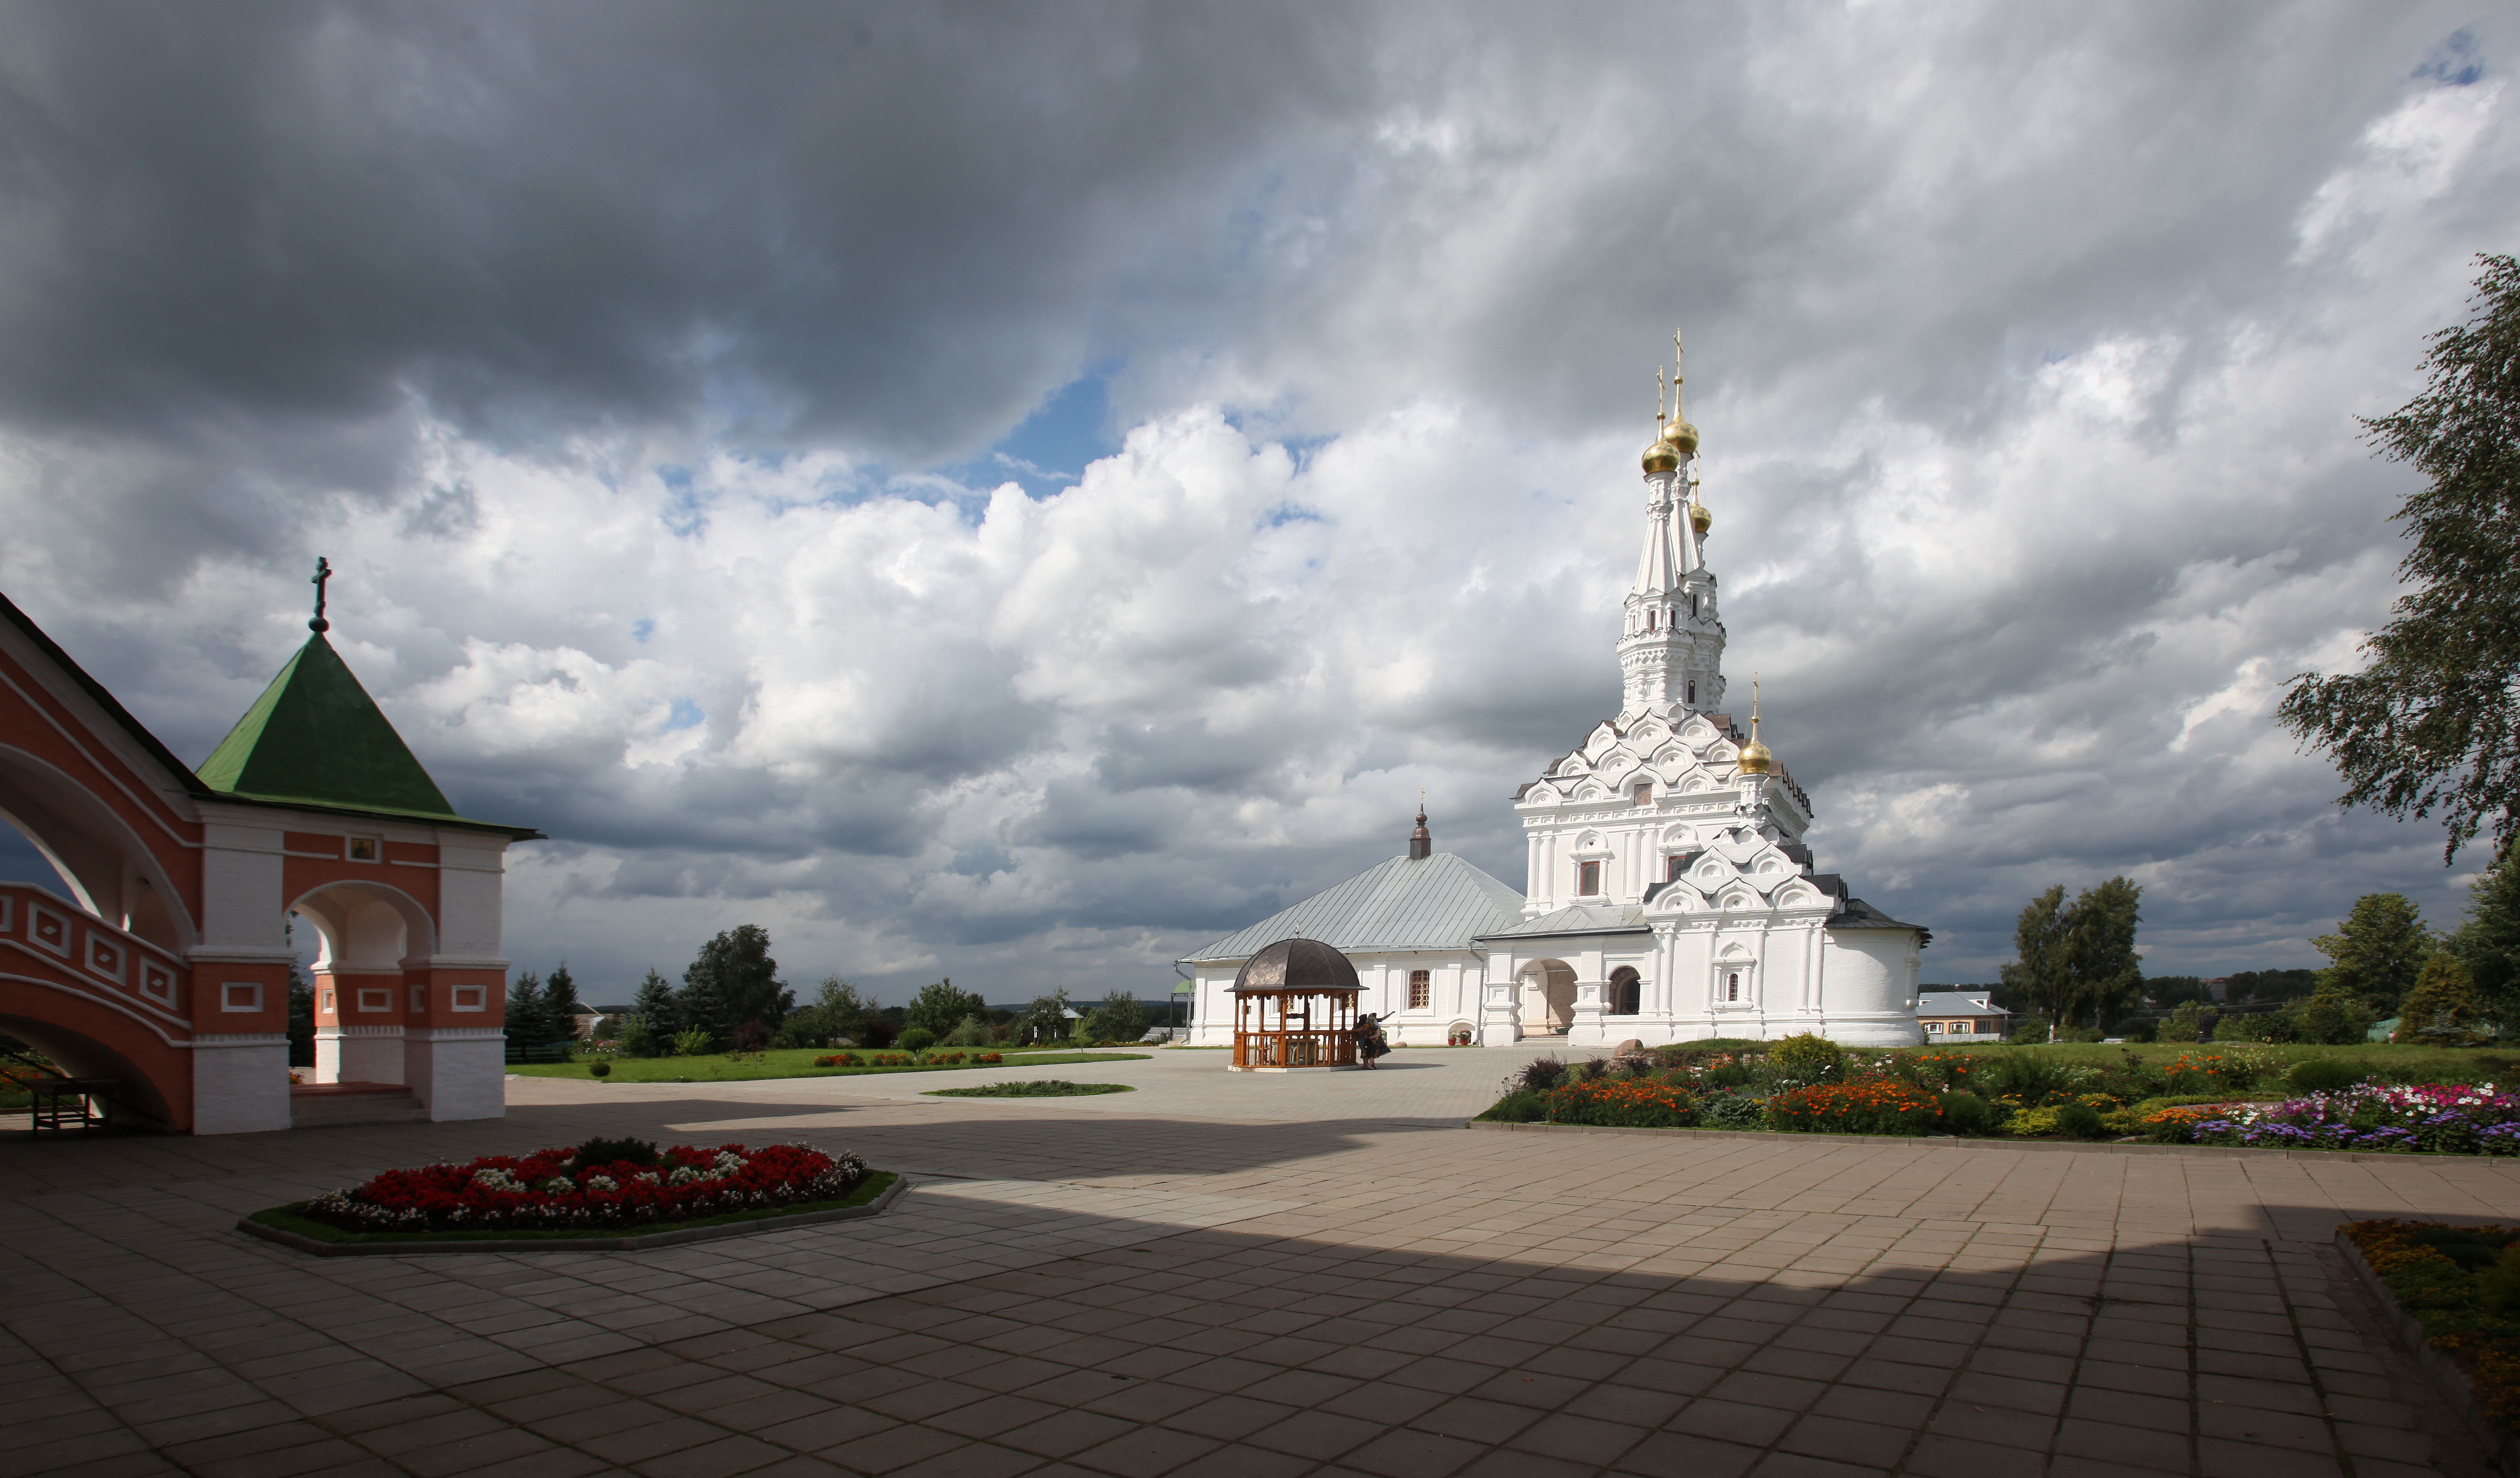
(613, 352)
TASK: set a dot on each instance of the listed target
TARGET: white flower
(605, 1183)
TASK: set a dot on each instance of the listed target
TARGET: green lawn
(796, 1063)
(2451, 1062)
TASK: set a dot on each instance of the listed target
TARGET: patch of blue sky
(1291, 513)
(1051, 448)
(2455, 60)
(642, 629)
(685, 715)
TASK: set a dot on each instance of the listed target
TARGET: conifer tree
(2488, 941)
(2441, 1007)
(526, 1026)
(559, 1004)
(655, 1006)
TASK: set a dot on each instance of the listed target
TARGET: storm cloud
(1018, 492)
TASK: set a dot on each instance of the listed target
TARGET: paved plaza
(1231, 1274)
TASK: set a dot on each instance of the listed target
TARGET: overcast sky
(1017, 492)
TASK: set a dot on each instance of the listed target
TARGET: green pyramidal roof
(315, 736)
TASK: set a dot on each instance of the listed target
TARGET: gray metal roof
(1437, 902)
(1579, 918)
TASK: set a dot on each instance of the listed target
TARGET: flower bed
(2454, 1119)
(1865, 1106)
(1033, 1087)
(602, 1184)
(2461, 1285)
(1621, 1103)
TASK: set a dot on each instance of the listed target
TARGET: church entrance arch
(371, 936)
(1548, 995)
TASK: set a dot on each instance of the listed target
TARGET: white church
(1668, 894)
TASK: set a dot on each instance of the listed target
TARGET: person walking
(1369, 1040)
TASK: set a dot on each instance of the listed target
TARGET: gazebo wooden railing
(1294, 1049)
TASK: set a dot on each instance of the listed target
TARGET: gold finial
(1756, 759)
(1661, 393)
(1681, 436)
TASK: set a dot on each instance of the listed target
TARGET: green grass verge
(286, 1219)
(2495, 1060)
(796, 1063)
(1037, 1088)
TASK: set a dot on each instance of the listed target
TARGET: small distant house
(589, 1018)
(1959, 1013)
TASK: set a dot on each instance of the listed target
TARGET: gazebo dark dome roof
(1297, 964)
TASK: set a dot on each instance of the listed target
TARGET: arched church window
(1692, 607)
(1649, 619)
(1671, 869)
(1588, 879)
(1627, 992)
(1692, 690)
(1731, 985)
(1422, 989)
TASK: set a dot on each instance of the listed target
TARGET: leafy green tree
(1046, 1019)
(2488, 939)
(839, 1009)
(941, 1009)
(735, 982)
(2376, 953)
(2075, 961)
(2331, 1016)
(526, 1026)
(1121, 1017)
(2039, 978)
(2100, 951)
(2432, 722)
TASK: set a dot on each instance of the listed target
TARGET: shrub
(917, 1040)
(2322, 1074)
(599, 1152)
(1965, 1113)
(637, 1039)
(599, 1070)
(1591, 1069)
(1621, 1103)
(2028, 1078)
(1518, 1108)
(2030, 1033)
(973, 1033)
(1540, 1075)
(840, 1060)
(1934, 1068)
(1732, 1111)
(990, 1057)
(692, 1043)
(2079, 1121)
(2331, 1017)
(2138, 1031)
(1809, 1057)
(1865, 1106)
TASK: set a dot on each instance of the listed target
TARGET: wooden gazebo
(1294, 1010)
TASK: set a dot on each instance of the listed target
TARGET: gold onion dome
(1755, 758)
(1659, 457)
(1700, 519)
(1680, 434)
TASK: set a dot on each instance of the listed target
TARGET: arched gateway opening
(158, 958)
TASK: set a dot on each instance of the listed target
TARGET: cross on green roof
(316, 737)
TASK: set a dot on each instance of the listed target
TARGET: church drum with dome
(1294, 1010)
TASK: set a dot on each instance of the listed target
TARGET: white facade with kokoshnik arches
(1668, 896)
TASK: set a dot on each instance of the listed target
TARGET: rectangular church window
(365, 848)
(1422, 989)
(1588, 879)
(1732, 985)
(1644, 793)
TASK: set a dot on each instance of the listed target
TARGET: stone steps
(317, 1105)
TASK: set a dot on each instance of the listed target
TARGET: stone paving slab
(1345, 1286)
